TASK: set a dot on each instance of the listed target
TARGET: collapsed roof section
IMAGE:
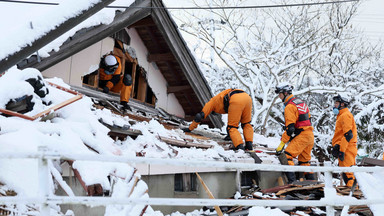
(166, 48)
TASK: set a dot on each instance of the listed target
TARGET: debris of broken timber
(217, 208)
(182, 143)
(299, 188)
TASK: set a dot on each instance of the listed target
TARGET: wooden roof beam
(160, 57)
(175, 89)
(143, 23)
(128, 17)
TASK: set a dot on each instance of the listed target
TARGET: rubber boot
(291, 176)
(248, 145)
(310, 176)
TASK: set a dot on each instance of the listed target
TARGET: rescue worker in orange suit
(298, 131)
(345, 138)
(112, 79)
(238, 105)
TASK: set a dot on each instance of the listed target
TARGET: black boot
(241, 146)
(291, 176)
(227, 138)
(125, 105)
(248, 146)
(310, 176)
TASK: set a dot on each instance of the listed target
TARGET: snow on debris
(73, 129)
(372, 185)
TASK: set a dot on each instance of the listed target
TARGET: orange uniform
(301, 145)
(344, 124)
(115, 82)
(239, 110)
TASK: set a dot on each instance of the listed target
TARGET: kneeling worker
(111, 78)
(238, 105)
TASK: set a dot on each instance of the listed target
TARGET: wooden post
(217, 208)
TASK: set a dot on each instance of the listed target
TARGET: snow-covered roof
(181, 70)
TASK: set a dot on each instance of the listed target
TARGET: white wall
(72, 69)
(156, 80)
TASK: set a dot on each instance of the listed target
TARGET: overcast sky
(370, 17)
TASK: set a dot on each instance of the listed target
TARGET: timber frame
(166, 48)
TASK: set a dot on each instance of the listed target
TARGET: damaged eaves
(166, 47)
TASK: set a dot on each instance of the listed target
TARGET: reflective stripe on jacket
(291, 115)
(303, 110)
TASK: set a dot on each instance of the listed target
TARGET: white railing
(330, 199)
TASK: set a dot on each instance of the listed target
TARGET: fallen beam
(182, 143)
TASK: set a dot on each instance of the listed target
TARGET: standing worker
(238, 105)
(345, 138)
(112, 79)
(298, 131)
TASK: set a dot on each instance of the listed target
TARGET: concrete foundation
(222, 185)
(79, 210)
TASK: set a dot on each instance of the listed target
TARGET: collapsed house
(168, 88)
(167, 84)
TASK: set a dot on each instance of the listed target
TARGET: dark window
(249, 178)
(128, 68)
(185, 182)
(149, 98)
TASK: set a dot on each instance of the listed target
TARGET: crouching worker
(111, 78)
(238, 105)
(345, 138)
(298, 131)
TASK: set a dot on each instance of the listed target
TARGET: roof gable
(165, 44)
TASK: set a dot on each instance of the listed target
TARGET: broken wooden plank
(182, 143)
(217, 208)
(299, 188)
(371, 162)
(276, 189)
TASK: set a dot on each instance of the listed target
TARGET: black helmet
(342, 99)
(284, 87)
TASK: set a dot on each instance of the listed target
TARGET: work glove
(341, 156)
(336, 151)
(186, 129)
(280, 148)
(105, 89)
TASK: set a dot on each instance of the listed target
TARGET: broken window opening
(185, 182)
(140, 88)
(249, 178)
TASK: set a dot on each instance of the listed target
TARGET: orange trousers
(349, 160)
(120, 87)
(240, 110)
(300, 146)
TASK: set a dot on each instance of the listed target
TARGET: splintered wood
(306, 190)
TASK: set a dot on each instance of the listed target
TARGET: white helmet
(284, 87)
(342, 98)
(110, 60)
